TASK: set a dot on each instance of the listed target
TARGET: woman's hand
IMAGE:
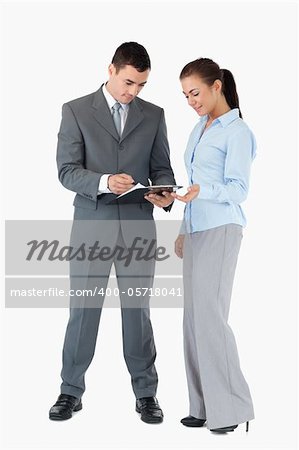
(192, 193)
(179, 245)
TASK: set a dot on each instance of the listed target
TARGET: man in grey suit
(108, 141)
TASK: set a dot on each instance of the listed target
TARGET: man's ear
(111, 69)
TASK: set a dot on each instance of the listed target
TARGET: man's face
(125, 85)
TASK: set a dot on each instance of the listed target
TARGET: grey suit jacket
(89, 146)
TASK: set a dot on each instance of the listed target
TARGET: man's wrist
(103, 184)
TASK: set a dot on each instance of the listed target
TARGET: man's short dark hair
(131, 54)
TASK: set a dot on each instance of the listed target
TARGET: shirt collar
(111, 100)
(226, 118)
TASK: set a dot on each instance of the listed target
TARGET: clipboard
(136, 193)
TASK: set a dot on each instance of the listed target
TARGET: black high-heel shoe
(191, 421)
(229, 429)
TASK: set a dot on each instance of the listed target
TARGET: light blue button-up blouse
(219, 160)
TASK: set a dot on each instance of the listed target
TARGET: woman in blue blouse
(218, 158)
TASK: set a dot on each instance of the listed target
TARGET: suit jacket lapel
(103, 116)
(135, 116)
(102, 113)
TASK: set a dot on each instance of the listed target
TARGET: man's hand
(192, 193)
(120, 183)
(160, 200)
(179, 245)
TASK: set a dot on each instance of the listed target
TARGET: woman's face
(201, 97)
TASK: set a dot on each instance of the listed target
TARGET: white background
(54, 52)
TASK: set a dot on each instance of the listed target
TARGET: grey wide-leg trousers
(82, 329)
(217, 388)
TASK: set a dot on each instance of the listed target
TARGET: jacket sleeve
(71, 156)
(160, 167)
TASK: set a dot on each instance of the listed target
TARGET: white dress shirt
(124, 109)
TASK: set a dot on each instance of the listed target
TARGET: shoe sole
(151, 421)
(57, 417)
(223, 431)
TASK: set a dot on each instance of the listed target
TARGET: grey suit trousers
(82, 329)
(217, 388)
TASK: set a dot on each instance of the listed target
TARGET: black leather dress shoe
(225, 429)
(149, 409)
(191, 421)
(64, 407)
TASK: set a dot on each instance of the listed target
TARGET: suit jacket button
(121, 147)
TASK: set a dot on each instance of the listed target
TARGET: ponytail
(229, 90)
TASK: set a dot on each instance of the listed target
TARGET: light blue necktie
(116, 117)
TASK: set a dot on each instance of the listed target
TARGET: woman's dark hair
(209, 71)
(131, 54)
